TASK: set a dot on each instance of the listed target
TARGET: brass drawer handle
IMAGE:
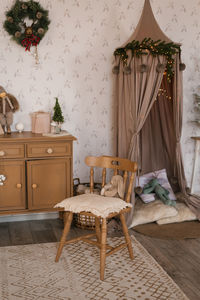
(34, 186)
(2, 153)
(19, 185)
(49, 150)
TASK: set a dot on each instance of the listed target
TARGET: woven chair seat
(98, 205)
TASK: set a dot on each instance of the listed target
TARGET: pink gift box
(40, 122)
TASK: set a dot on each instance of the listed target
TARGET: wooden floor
(180, 259)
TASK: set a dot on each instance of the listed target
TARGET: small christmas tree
(57, 116)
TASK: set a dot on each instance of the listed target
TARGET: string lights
(155, 48)
(163, 92)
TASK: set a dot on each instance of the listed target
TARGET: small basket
(81, 220)
(84, 222)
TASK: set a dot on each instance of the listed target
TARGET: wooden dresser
(35, 171)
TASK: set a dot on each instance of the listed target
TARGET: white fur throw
(99, 205)
(151, 212)
(184, 214)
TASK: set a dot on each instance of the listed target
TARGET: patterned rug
(29, 272)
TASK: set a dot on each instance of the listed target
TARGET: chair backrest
(117, 164)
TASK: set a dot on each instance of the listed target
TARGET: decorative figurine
(8, 105)
(19, 127)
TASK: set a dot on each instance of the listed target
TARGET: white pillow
(151, 212)
(161, 175)
(184, 214)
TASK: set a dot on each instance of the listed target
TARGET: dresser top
(197, 138)
(29, 136)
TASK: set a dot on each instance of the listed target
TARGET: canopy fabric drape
(177, 115)
(137, 93)
(148, 130)
(157, 136)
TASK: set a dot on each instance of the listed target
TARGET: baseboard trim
(29, 217)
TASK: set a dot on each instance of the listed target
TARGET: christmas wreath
(16, 26)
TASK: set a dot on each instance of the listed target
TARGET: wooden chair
(104, 162)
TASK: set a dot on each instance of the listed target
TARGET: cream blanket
(99, 205)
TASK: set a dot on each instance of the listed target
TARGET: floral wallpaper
(75, 65)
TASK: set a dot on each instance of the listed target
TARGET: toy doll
(8, 105)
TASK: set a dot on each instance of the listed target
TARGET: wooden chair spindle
(91, 180)
(103, 177)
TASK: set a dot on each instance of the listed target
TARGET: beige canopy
(148, 27)
(149, 109)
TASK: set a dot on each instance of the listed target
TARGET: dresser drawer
(49, 149)
(11, 150)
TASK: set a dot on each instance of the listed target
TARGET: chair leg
(103, 248)
(68, 218)
(127, 237)
(97, 229)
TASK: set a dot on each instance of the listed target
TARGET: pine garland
(155, 48)
(15, 25)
